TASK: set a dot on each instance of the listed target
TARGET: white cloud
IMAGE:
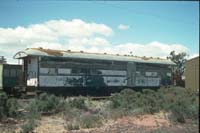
(95, 41)
(123, 27)
(51, 34)
(193, 55)
(76, 35)
(153, 49)
(50, 31)
(77, 28)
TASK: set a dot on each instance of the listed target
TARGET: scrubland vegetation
(180, 104)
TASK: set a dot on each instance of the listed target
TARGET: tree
(180, 60)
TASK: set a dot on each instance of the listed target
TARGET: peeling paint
(60, 81)
(65, 78)
(115, 81)
(32, 72)
(143, 81)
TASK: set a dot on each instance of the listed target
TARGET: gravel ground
(141, 124)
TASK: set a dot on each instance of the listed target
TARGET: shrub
(73, 126)
(71, 114)
(44, 103)
(176, 114)
(147, 101)
(125, 99)
(182, 103)
(8, 107)
(12, 108)
(78, 102)
(90, 121)
(3, 101)
(47, 103)
(33, 112)
(29, 126)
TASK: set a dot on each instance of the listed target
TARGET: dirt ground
(141, 124)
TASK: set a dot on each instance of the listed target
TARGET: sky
(141, 28)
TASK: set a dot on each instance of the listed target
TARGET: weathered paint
(169, 74)
(1, 76)
(113, 72)
(151, 74)
(153, 81)
(67, 69)
(64, 71)
(44, 70)
(105, 78)
(69, 81)
(60, 81)
(54, 71)
(115, 81)
(144, 81)
(32, 72)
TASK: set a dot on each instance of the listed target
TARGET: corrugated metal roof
(84, 55)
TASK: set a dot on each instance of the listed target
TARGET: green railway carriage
(9, 77)
(82, 72)
(47, 69)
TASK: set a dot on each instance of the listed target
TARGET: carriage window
(52, 71)
(75, 71)
(6, 73)
(13, 73)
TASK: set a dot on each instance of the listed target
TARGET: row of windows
(85, 71)
(68, 71)
(11, 73)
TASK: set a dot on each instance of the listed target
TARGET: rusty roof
(86, 55)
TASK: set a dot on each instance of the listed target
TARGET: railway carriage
(46, 69)
(10, 78)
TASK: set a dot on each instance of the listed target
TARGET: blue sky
(164, 22)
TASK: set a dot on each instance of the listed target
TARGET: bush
(8, 107)
(182, 103)
(71, 114)
(90, 121)
(78, 102)
(125, 99)
(3, 101)
(33, 112)
(29, 126)
(73, 126)
(12, 108)
(128, 99)
(176, 114)
(47, 103)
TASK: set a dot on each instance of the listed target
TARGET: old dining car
(56, 70)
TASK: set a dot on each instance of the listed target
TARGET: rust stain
(50, 51)
(60, 53)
